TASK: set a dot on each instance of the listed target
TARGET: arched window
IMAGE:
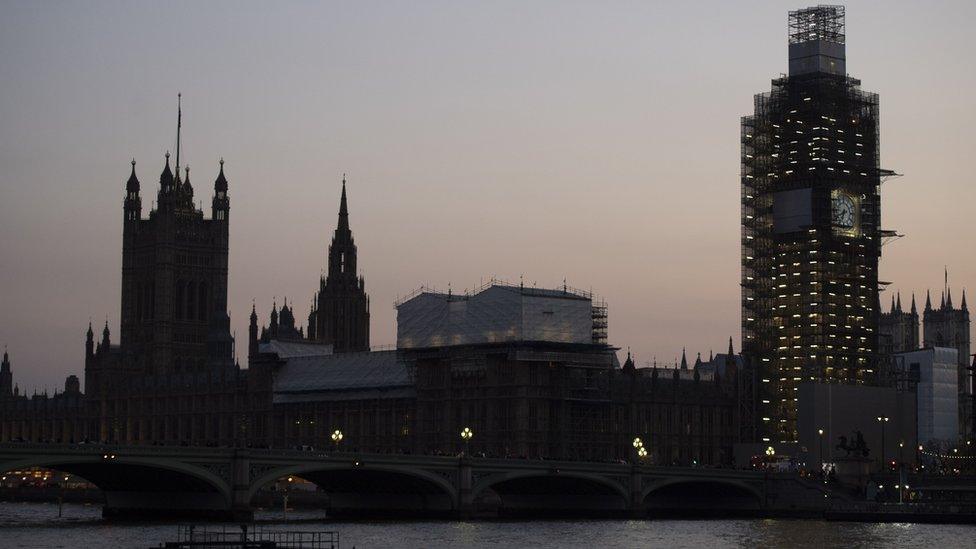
(178, 302)
(191, 299)
(203, 310)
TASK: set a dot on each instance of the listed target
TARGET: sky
(592, 141)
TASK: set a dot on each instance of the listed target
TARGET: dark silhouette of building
(341, 314)
(811, 238)
(174, 278)
(6, 377)
(898, 328)
(528, 369)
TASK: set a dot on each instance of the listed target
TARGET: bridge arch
(363, 485)
(553, 491)
(120, 477)
(701, 494)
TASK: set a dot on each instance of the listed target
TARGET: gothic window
(342, 262)
(191, 298)
(202, 308)
(178, 302)
(139, 301)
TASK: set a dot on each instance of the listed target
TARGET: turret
(629, 363)
(221, 203)
(928, 300)
(915, 309)
(252, 333)
(166, 186)
(105, 338)
(6, 376)
(90, 342)
(132, 206)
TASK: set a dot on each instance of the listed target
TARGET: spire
(179, 125)
(914, 309)
(254, 312)
(963, 305)
(220, 185)
(948, 298)
(166, 178)
(943, 304)
(90, 334)
(132, 185)
(698, 361)
(6, 360)
(343, 208)
(186, 184)
(892, 303)
(898, 306)
(684, 359)
(928, 300)
(105, 334)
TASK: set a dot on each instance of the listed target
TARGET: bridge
(221, 483)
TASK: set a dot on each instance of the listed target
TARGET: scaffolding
(821, 22)
(809, 287)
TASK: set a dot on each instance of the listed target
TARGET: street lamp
(466, 435)
(820, 432)
(336, 438)
(642, 453)
(882, 420)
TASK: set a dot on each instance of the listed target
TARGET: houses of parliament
(547, 385)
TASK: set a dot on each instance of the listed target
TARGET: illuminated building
(811, 239)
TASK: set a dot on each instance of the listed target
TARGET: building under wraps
(811, 235)
(498, 313)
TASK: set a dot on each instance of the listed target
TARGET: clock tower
(811, 239)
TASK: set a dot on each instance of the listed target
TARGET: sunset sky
(592, 141)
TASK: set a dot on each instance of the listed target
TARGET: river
(37, 525)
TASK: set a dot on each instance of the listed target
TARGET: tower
(898, 329)
(341, 315)
(949, 326)
(810, 225)
(6, 377)
(174, 276)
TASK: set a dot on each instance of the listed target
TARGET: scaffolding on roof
(823, 22)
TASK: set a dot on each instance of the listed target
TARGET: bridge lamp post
(820, 432)
(642, 453)
(466, 435)
(918, 458)
(336, 439)
(882, 420)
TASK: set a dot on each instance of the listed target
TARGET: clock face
(843, 211)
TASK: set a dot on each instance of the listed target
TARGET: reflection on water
(37, 525)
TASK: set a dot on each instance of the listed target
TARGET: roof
(294, 349)
(344, 376)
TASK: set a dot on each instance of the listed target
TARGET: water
(36, 525)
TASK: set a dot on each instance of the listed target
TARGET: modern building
(811, 237)
(932, 371)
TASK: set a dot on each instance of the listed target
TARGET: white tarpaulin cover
(497, 314)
